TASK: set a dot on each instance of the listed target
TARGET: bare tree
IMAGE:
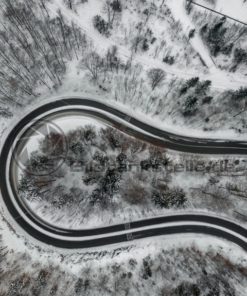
(112, 60)
(110, 12)
(94, 64)
(136, 42)
(69, 3)
(156, 76)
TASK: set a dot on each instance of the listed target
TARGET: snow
(75, 260)
(169, 126)
(178, 9)
(72, 122)
(121, 211)
(166, 125)
(22, 243)
(220, 79)
(234, 8)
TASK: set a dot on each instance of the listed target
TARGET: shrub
(156, 76)
(4, 112)
(89, 134)
(240, 55)
(216, 39)
(188, 289)
(189, 84)
(101, 25)
(147, 272)
(77, 148)
(108, 185)
(155, 161)
(116, 5)
(145, 165)
(112, 61)
(207, 100)
(169, 60)
(100, 158)
(135, 193)
(122, 162)
(78, 286)
(145, 45)
(191, 33)
(170, 198)
(202, 87)
(94, 64)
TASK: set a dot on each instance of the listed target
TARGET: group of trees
(107, 186)
(103, 157)
(238, 99)
(190, 106)
(195, 91)
(216, 38)
(101, 25)
(98, 66)
(188, 84)
(169, 59)
(224, 38)
(94, 64)
(34, 48)
(135, 193)
(157, 159)
(239, 94)
(214, 286)
(111, 9)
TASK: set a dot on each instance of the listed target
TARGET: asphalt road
(85, 238)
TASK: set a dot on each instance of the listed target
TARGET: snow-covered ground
(163, 263)
(234, 8)
(222, 117)
(31, 268)
(206, 181)
(83, 18)
(178, 11)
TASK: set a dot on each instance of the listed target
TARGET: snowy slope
(220, 79)
(234, 8)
